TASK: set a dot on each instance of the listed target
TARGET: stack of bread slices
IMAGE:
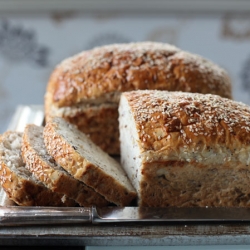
(131, 101)
(57, 165)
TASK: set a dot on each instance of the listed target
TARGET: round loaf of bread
(85, 89)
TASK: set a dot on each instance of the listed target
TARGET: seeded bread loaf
(185, 149)
(19, 184)
(45, 169)
(85, 89)
(78, 155)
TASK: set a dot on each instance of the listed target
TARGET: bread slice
(77, 154)
(184, 149)
(18, 182)
(45, 169)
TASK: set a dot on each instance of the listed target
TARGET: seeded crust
(45, 169)
(185, 149)
(93, 81)
(78, 155)
(18, 182)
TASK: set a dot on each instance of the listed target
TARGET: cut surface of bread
(18, 182)
(85, 89)
(45, 169)
(78, 155)
(184, 149)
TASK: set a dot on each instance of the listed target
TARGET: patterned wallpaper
(32, 45)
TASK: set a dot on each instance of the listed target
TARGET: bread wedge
(78, 155)
(45, 169)
(18, 182)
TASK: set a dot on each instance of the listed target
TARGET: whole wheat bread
(85, 89)
(186, 149)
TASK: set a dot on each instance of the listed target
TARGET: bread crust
(193, 148)
(45, 169)
(173, 120)
(100, 75)
(26, 191)
(92, 173)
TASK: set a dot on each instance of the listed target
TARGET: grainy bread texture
(184, 149)
(19, 184)
(85, 89)
(78, 155)
(45, 169)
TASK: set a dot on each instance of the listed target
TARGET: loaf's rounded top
(105, 72)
